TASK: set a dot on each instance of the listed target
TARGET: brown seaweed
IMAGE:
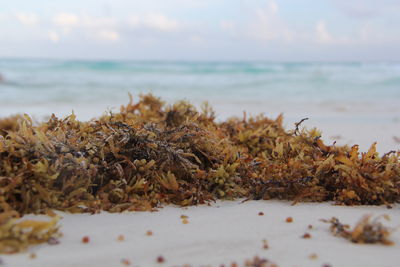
(151, 154)
(256, 261)
(17, 235)
(365, 231)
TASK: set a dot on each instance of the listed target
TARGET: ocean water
(353, 94)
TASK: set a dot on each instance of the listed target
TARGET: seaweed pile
(151, 154)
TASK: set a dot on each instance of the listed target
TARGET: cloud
(53, 36)
(69, 20)
(197, 39)
(229, 27)
(357, 8)
(367, 9)
(80, 27)
(264, 24)
(160, 22)
(272, 7)
(98, 22)
(109, 29)
(184, 26)
(366, 34)
(369, 33)
(270, 26)
(66, 20)
(322, 34)
(108, 35)
(155, 21)
(28, 19)
(134, 21)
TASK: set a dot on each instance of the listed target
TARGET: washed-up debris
(306, 236)
(256, 261)
(16, 234)
(126, 262)
(149, 233)
(160, 259)
(265, 244)
(259, 262)
(85, 239)
(151, 154)
(365, 231)
(313, 256)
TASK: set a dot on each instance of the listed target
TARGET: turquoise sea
(352, 93)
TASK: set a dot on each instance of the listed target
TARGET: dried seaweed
(365, 231)
(9, 124)
(151, 154)
(259, 262)
(17, 235)
(256, 261)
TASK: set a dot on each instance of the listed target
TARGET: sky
(267, 30)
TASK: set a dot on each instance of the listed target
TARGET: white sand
(224, 232)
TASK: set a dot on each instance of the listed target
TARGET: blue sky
(288, 30)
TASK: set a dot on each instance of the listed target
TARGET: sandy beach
(200, 133)
(225, 232)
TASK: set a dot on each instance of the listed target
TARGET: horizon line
(149, 60)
